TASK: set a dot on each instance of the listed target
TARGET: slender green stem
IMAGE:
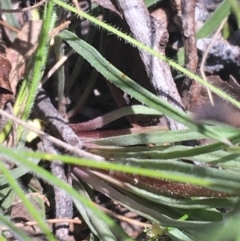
(40, 57)
(59, 52)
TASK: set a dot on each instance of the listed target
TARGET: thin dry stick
(59, 28)
(77, 221)
(28, 55)
(189, 34)
(6, 25)
(205, 57)
(23, 9)
(126, 219)
(36, 194)
(50, 221)
(55, 67)
(190, 88)
(14, 126)
(75, 2)
(74, 150)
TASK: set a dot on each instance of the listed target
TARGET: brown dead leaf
(165, 15)
(5, 87)
(5, 69)
(165, 186)
(20, 51)
(20, 214)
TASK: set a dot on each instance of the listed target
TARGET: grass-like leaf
(221, 12)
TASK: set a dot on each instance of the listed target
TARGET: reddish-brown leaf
(6, 93)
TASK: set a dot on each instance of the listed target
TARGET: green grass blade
(221, 12)
(149, 3)
(159, 137)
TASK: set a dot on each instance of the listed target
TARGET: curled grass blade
(114, 115)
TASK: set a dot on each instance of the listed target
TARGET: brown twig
(50, 221)
(125, 219)
(55, 67)
(204, 58)
(59, 28)
(189, 39)
(75, 2)
(34, 194)
(6, 25)
(23, 9)
(190, 88)
(189, 34)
